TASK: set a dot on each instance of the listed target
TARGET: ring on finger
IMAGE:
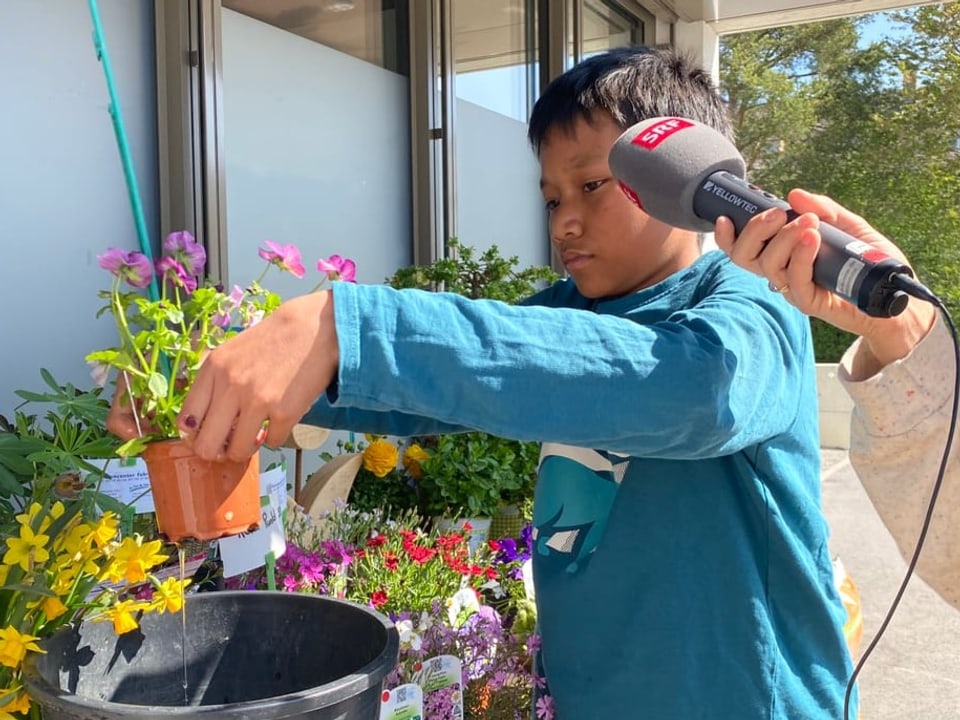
(778, 288)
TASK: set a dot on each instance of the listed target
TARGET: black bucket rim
(274, 708)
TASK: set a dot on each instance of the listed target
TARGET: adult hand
(269, 373)
(783, 252)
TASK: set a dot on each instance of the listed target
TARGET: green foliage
(475, 472)
(489, 276)
(44, 455)
(874, 126)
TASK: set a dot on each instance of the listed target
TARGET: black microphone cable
(912, 287)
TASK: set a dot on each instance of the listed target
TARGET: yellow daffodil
(122, 615)
(53, 607)
(105, 530)
(412, 457)
(14, 646)
(13, 700)
(31, 513)
(169, 596)
(380, 457)
(26, 549)
(134, 558)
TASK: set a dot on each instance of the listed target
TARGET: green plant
(42, 455)
(475, 472)
(489, 276)
(162, 341)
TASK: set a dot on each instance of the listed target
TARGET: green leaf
(158, 385)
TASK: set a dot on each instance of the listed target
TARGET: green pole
(118, 130)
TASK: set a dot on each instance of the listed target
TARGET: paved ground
(914, 671)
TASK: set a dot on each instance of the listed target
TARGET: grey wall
(62, 193)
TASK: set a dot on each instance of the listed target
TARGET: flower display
(163, 339)
(59, 566)
(442, 599)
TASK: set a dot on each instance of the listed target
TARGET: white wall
(317, 153)
(498, 186)
(62, 193)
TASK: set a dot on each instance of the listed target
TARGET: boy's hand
(784, 253)
(273, 371)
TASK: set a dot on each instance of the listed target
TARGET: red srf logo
(656, 134)
(630, 194)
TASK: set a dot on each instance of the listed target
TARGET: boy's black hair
(631, 84)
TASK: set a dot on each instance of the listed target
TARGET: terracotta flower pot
(200, 499)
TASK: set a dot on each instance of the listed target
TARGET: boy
(681, 561)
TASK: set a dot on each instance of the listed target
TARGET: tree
(875, 126)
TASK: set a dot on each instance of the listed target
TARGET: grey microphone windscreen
(665, 159)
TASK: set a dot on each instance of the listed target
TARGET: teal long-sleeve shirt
(681, 561)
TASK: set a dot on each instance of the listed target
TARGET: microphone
(687, 174)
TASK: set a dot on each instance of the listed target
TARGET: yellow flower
(412, 458)
(53, 607)
(122, 615)
(14, 646)
(134, 558)
(105, 530)
(27, 517)
(169, 596)
(13, 700)
(26, 549)
(380, 457)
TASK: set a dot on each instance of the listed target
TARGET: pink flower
(285, 257)
(171, 270)
(186, 251)
(338, 268)
(133, 267)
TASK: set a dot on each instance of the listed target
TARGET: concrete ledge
(835, 408)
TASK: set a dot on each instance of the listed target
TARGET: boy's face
(608, 245)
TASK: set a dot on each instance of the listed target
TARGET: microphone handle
(855, 270)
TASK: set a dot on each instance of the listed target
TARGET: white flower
(99, 372)
(462, 605)
(408, 638)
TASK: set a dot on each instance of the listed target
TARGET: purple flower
(285, 257)
(545, 707)
(186, 251)
(338, 268)
(132, 267)
(508, 551)
(175, 273)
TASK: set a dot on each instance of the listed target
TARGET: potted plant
(477, 474)
(162, 341)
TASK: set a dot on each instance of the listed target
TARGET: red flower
(493, 545)
(377, 541)
(420, 555)
(490, 573)
(391, 562)
(378, 598)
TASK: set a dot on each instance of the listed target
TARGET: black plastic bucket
(250, 654)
